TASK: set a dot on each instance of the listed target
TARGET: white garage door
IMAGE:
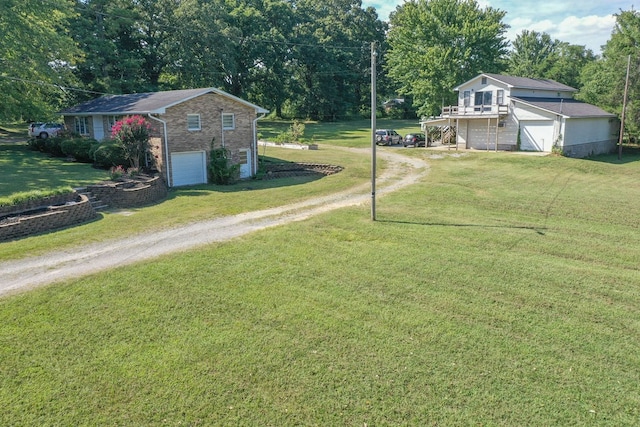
(536, 135)
(189, 168)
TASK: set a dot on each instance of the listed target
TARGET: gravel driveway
(28, 273)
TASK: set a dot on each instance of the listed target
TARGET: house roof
(147, 103)
(524, 83)
(567, 107)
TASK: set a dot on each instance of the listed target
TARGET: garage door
(189, 168)
(536, 135)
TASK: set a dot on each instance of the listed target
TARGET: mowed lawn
(504, 289)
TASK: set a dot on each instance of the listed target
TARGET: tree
(435, 45)
(603, 81)
(532, 55)
(330, 57)
(132, 135)
(37, 55)
(536, 55)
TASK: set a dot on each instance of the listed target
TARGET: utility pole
(373, 130)
(624, 108)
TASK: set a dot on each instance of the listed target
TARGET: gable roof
(570, 108)
(146, 103)
(523, 83)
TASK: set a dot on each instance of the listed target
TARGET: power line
(58, 86)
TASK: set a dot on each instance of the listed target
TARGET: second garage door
(189, 168)
(536, 135)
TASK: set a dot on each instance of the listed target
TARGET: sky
(581, 22)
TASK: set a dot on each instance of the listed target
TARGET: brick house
(185, 124)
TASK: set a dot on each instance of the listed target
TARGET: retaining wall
(282, 170)
(45, 218)
(130, 193)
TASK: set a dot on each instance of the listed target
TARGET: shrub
(53, 146)
(117, 172)
(295, 133)
(36, 144)
(107, 154)
(78, 147)
(221, 171)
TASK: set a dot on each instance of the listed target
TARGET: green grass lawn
(356, 133)
(502, 290)
(25, 170)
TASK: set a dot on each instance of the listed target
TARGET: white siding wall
(579, 131)
(540, 93)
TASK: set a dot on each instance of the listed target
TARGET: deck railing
(474, 110)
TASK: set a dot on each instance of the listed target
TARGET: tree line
(307, 59)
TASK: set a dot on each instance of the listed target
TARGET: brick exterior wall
(209, 107)
(129, 194)
(49, 218)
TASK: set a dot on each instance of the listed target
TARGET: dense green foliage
(307, 59)
(221, 170)
(536, 55)
(36, 56)
(437, 44)
(604, 80)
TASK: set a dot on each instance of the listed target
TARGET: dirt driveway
(24, 274)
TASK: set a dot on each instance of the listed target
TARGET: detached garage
(189, 168)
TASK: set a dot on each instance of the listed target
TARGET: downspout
(255, 143)
(222, 126)
(166, 147)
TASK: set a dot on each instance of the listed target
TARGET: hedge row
(104, 154)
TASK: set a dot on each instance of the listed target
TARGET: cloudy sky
(582, 22)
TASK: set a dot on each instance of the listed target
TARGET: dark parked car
(416, 139)
(387, 137)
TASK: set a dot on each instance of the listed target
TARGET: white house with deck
(498, 112)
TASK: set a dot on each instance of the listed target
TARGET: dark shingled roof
(145, 103)
(528, 83)
(566, 107)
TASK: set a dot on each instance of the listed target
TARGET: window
(228, 121)
(467, 98)
(243, 157)
(482, 101)
(112, 121)
(487, 98)
(81, 125)
(500, 96)
(484, 80)
(193, 122)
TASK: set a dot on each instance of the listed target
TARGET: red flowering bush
(132, 134)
